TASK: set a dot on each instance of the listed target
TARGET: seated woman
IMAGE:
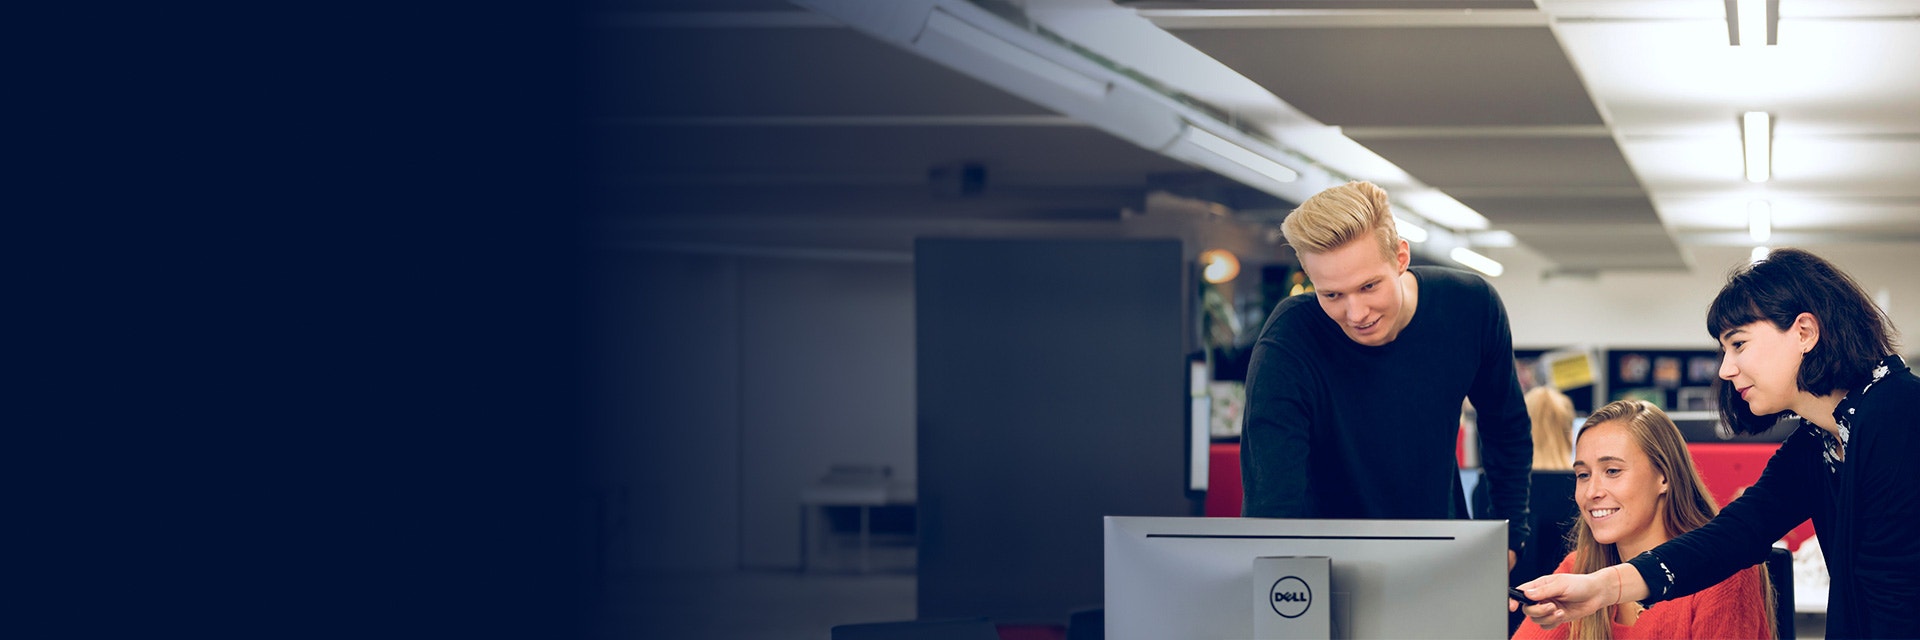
(1637, 487)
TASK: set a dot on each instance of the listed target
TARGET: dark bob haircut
(1854, 333)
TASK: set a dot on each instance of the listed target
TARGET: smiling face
(1621, 495)
(1762, 363)
(1361, 289)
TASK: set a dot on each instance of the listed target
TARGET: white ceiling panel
(1409, 76)
(1847, 165)
(1448, 162)
(1603, 134)
(1860, 217)
(1681, 77)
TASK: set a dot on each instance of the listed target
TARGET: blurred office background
(892, 297)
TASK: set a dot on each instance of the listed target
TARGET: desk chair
(1780, 571)
(1087, 624)
(1551, 511)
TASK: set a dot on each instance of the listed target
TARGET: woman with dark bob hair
(1799, 337)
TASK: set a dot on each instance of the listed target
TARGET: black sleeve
(1740, 536)
(1506, 435)
(1275, 440)
(1886, 554)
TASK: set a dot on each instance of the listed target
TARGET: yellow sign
(1569, 369)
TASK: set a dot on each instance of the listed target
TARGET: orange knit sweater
(1734, 609)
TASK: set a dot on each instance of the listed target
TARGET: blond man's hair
(1339, 215)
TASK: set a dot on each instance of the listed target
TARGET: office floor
(750, 605)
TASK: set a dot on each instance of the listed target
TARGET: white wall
(1669, 310)
(728, 383)
(827, 375)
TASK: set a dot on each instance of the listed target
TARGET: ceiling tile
(1627, 247)
(1507, 212)
(1535, 163)
(1465, 76)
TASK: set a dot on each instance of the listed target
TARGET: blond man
(1354, 389)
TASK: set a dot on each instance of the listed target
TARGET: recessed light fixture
(1757, 133)
(1760, 220)
(1759, 253)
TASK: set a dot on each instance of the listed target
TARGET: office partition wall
(1051, 392)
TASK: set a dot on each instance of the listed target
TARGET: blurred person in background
(1552, 415)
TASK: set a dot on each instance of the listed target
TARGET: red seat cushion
(1223, 481)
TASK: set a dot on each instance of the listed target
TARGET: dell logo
(1290, 597)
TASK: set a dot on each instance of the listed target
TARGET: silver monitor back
(1191, 578)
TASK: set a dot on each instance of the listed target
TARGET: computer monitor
(1190, 577)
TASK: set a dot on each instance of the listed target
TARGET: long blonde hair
(1686, 505)
(1552, 414)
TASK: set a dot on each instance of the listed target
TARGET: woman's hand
(1564, 597)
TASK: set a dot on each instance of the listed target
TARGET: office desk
(814, 527)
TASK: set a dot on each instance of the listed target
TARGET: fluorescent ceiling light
(1754, 24)
(1331, 148)
(1227, 158)
(1760, 220)
(1759, 253)
(1412, 232)
(1439, 208)
(1478, 262)
(1757, 131)
(1494, 238)
(972, 37)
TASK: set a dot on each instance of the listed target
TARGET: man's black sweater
(1335, 429)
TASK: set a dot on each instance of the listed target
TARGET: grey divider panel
(1051, 392)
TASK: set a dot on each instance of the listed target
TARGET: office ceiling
(1602, 135)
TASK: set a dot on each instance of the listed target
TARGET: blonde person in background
(1637, 488)
(1552, 414)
